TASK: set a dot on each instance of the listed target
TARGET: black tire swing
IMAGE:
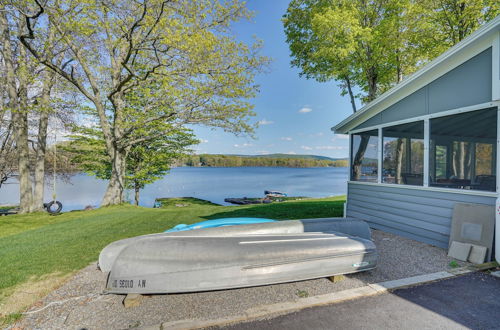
(50, 206)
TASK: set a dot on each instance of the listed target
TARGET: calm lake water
(210, 183)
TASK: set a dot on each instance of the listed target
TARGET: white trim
(379, 155)
(427, 139)
(474, 44)
(475, 107)
(349, 175)
(436, 189)
(495, 68)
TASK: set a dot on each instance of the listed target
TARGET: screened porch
(450, 150)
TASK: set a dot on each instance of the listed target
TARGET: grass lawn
(33, 246)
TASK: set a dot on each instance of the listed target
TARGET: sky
(295, 114)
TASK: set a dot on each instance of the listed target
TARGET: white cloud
(317, 134)
(203, 141)
(265, 122)
(305, 110)
(330, 148)
(286, 138)
(306, 148)
(291, 153)
(244, 145)
(341, 136)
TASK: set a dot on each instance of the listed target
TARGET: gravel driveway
(78, 304)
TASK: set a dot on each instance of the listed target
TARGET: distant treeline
(239, 161)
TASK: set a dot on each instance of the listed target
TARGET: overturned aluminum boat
(238, 256)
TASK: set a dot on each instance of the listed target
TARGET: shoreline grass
(35, 245)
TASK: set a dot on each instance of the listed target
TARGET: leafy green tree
(354, 42)
(146, 162)
(450, 21)
(149, 67)
(252, 161)
(373, 45)
(347, 41)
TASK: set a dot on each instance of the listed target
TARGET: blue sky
(295, 114)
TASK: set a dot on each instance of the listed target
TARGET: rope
(60, 302)
(54, 169)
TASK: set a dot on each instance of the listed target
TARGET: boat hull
(347, 226)
(186, 264)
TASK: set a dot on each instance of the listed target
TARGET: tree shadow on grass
(288, 210)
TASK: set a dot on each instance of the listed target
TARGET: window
(403, 154)
(364, 161)
(463, 150)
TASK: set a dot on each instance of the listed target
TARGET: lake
(209, 183)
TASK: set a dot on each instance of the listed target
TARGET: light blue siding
(413, 105)
(468, 84)
(373, 121)
(422, 215)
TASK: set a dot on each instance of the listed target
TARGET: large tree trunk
(358, 158)
(137, 192)
(22, 141)
(351, 93)
(19, 115)
(116, 185)
(48, 83)
(461, 161)
(23, 154)
(25, 186)
(399, 160)
(40, 162)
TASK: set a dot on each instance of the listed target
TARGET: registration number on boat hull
(128, 284)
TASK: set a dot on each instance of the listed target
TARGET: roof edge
(479, 33)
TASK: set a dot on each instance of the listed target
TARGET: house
(429, 142)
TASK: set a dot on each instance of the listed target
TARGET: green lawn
(39, 244)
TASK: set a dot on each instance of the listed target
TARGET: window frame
(493, 106)
(408, 152)
(351, 155)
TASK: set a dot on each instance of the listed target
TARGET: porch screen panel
(403, 154)
(463, 151)
(364, 161)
